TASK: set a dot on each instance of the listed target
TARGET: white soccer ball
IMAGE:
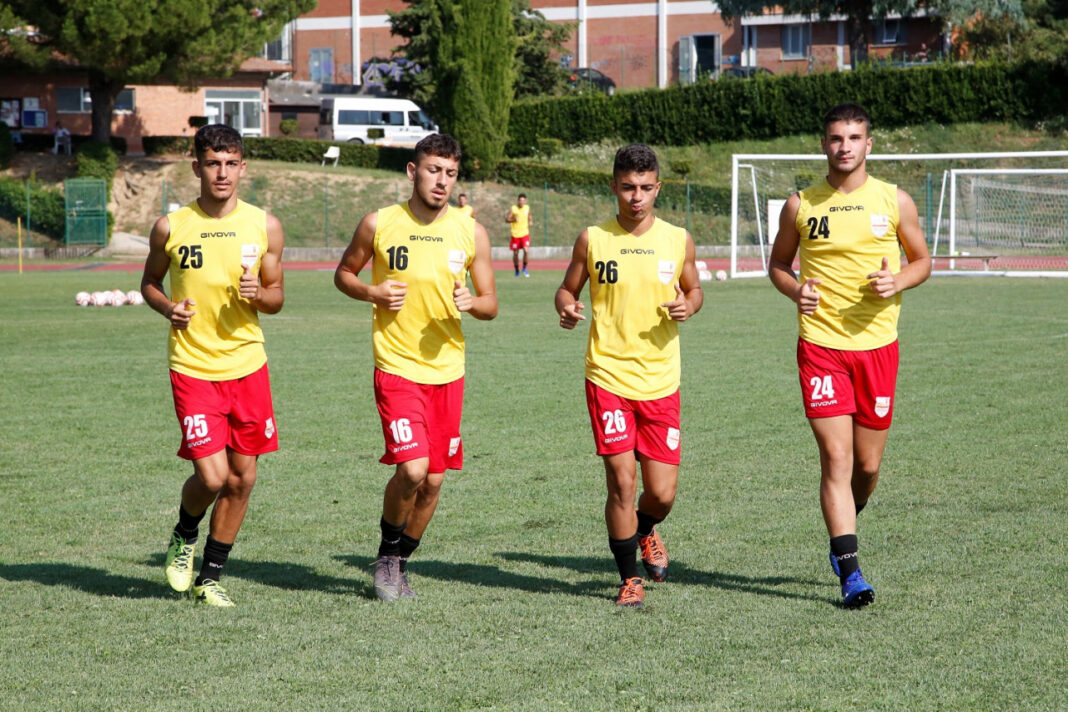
(721, 275)
(82, 299)
(134, 297)
(118, 297)
(101, 299)
(704, 275)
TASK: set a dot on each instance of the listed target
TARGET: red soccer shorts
(518, 243)
(620, 424)
(235, 414)
(420, 420)
(857, 383)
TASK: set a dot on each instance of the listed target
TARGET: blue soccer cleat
(834, 564)
(856, 592)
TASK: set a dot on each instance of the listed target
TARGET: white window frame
(250, 102)
(84, 100)
(795, 34)
(882, 34)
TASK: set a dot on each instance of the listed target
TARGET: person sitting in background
(62, 139)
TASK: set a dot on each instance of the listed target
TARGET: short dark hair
(217, 137)
(636, 158)
(847, 112)
(521, 195)
(438, 144)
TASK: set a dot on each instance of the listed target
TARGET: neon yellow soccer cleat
(212, 594)
(179, 566)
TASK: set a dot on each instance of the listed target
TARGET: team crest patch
(672, 438)
(882, 406)
(879, 224)
(454, 446)
(268, 430)
(666, 271)
(249, 254)
(456, 261)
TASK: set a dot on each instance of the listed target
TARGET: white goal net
(989, 213)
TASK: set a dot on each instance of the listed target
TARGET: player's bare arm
(781, 261)
(568, 305)
(265, 291)
(509, 217)
(910, 235)
(689, 296)
(390, 293)
(156, 265)
(482, 305)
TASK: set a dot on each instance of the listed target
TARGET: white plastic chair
(332, 152)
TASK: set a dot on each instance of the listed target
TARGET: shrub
(549, 147)
(730, 110)
(288, 126)
(295, 150)
(47, 210)
(97, 160)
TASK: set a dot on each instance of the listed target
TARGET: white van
(348, 118)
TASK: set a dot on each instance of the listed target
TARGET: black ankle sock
(646, 523)
(860, 506)
(844, 549)
(188, 525)
(406, 548)
(625, 552)
(215, 555)
(391, 536)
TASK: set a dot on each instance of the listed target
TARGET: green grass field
(964, 541)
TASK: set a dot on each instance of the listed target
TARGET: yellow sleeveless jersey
(521, 226)
(633, 349)
(223, 340)
(844, 238)
(466, 210)
(423, 341)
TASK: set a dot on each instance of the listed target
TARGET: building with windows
(636, 43)
(32, 103)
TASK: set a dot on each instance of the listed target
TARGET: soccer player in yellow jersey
(519, 222)
(465, 207)
(224, 260)
(643, 282)
(423, 251)
(850, 230)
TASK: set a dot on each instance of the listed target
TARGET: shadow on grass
(680, 573)
(288, 576)
(84, 578)
(494, 577)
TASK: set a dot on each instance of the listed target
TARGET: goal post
(1027, 182)
(1018, 214)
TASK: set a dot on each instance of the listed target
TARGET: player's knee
(412, 474)
(432, 483)
(867, 469)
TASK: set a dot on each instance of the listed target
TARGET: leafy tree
(1039, 32)
(121, 42)
(860, 13)
(466, 49)
(538, 41)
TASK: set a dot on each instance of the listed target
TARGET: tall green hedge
(703, 198)
(295, 150)
(47, 211)
(792, 104)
